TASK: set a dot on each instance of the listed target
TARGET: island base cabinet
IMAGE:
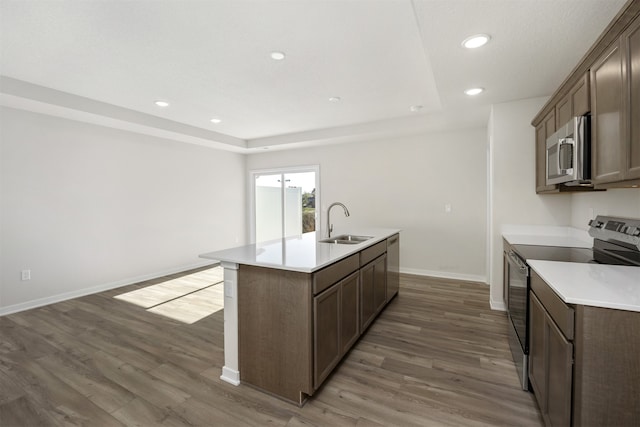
(349, 312)
(275, 331)
(335, 325)
(373, 290)
(295, 327)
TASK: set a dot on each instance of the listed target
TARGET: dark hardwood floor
(436, 356)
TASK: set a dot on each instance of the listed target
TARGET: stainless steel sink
(346, 239)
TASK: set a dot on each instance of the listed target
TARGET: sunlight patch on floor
(193, 307)
(187, 299)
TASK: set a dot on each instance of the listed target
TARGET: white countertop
(598, 285)
(547, 236)
(609, 286)
(302, 253)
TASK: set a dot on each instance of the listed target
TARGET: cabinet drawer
(373, 252)
(561, 313)
(328, 276)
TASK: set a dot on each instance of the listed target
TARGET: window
(283, 202)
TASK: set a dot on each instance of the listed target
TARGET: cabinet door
(564, 110)
(580, 102)
(349, 319)
(380, 283)
(326, 333)
(537, 372)
(550, 366)
(631, 41)
(543, 131)
(607, 139)
(367, 306)
(559, 375)
(373, 292)
(575, 103)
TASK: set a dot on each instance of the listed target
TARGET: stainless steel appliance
(616, 242)
(518, 309)
(569, 153)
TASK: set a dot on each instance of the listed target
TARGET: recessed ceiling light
(216, 120)
(335, 99)
(476, 41)
(474, 91)
(415, 108)
(277, 56)
(162, 103)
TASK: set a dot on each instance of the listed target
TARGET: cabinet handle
(392, 241)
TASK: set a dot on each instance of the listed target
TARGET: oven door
(518, 302)
(518, 308)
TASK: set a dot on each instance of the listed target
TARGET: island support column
(230, 370)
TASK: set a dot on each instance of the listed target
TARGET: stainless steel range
(616, 242)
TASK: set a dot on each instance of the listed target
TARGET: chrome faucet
(329, 225)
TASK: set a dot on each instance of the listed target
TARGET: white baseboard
(445, 275)
(28, 305)
(230, 375)
(497, 305)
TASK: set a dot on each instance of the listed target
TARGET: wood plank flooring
(437, 356)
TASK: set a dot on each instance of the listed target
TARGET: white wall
(269, 212)
(87, 208)
(405, 183)
(512, 198)
(624, 202)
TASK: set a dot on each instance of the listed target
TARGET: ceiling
(106, 62)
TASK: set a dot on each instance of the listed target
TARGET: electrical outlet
(26, 275)
(447, 208)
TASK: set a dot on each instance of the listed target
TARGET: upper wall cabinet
(615, 107)
(631, 46)
(606, 84)
(607, 137)
(543, 131)
(574, 103)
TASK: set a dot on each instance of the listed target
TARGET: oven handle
(524, 268)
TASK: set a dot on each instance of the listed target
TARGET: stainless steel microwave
(569, 153)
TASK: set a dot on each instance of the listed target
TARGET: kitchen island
(293, 307)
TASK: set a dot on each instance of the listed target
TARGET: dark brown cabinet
(615, 88)
(373, 292)
(583, 361)
(550, 366)
(605, 83)
(575, 103)
(543, 131)
(335, 325)
(607, 117)
(537, 371)
(295, 327)
(631, 46)
(349, 312)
